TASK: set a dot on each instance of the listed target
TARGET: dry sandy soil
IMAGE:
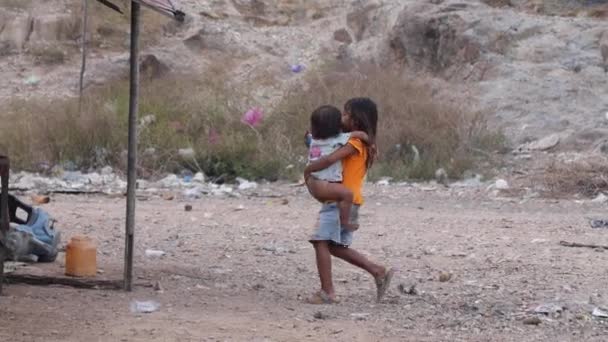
(241, 275)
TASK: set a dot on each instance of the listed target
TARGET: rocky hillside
(534, 66)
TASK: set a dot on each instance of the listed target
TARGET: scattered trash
(384, 181)
(597, 312)
(188, 207)
(297, 68)
(408, 290)
(359, 316)
(144, 306)
(601, 198)
(32, 80)
(186, 176)
(171, 181)
(31, 238)
(445, 277)
(245, 184)
(598, 223)
(168, 197)
(194, 193)
(501, 184)
(158, 287)
(152, 253)
(549, 309)
(253, 117)
(40, 199)
(199, 177)
(532, 320)
(239, 208)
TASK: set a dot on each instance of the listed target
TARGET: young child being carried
(326, 137)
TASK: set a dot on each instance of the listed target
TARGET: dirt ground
(237, 269)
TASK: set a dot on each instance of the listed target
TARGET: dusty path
(239, 275)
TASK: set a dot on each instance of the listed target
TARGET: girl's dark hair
(364, 114)
(325, 122)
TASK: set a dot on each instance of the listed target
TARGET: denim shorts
(328, 226)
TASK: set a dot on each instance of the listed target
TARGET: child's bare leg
(344, 206)
(325, 191)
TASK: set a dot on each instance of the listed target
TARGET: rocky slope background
(535, 69)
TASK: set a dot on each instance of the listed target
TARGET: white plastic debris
(501, 184)
(384, 181)
(170, 181)
(153, 253)
(601, 198)
(199, 177)
(147, 306)
(597, 312)
(245, 184)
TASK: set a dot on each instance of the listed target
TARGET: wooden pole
(132, 149)
(4, 214)
(83, 65)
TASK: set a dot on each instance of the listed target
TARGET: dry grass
(411, 118)
(188, 113)
(206, 115)
(587, 177)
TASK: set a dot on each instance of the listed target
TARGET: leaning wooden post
(132, 149)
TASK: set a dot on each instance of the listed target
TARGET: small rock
(441, 176)
(408, 290)
(40, 199)
(532, 321)
(320, 315)
(239, 208)
(543, 144)
(188, 207)
(343, 36)
(158, 287)
(168, 197)
(445, 277)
